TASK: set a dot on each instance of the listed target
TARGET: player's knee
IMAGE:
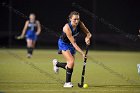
(29, 43)
(70, 63)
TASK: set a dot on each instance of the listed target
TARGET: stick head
(80, 85)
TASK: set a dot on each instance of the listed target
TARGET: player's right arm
(24, 29)
(68, 32)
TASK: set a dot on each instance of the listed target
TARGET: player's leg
(29, 48)
(70, 62)
(34, 39)
(69, 67)
(31, 42)
(57, 64)
(67, 52)
(33, 46)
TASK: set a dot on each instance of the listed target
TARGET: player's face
(75, 20)
(32, 17)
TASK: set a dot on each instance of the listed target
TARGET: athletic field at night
(106, 72)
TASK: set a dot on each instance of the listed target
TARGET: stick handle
(87, 47)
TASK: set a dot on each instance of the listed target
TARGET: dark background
(52, 14)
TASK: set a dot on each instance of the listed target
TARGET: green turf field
(106, 72)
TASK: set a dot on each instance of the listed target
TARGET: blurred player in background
(139, 33)
(30, 31)
(67, 45)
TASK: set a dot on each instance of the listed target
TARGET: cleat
(55, 68)
(68, 85)
(29, 55)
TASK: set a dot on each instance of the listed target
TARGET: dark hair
(32, 14)
(73, 13)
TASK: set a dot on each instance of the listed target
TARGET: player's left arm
(86, 31)
(38, 28)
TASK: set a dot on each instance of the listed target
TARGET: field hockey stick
(84, 66)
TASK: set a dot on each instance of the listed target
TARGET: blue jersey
(31, 31)
(32, 26)
(74, 33)
(64, 43)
